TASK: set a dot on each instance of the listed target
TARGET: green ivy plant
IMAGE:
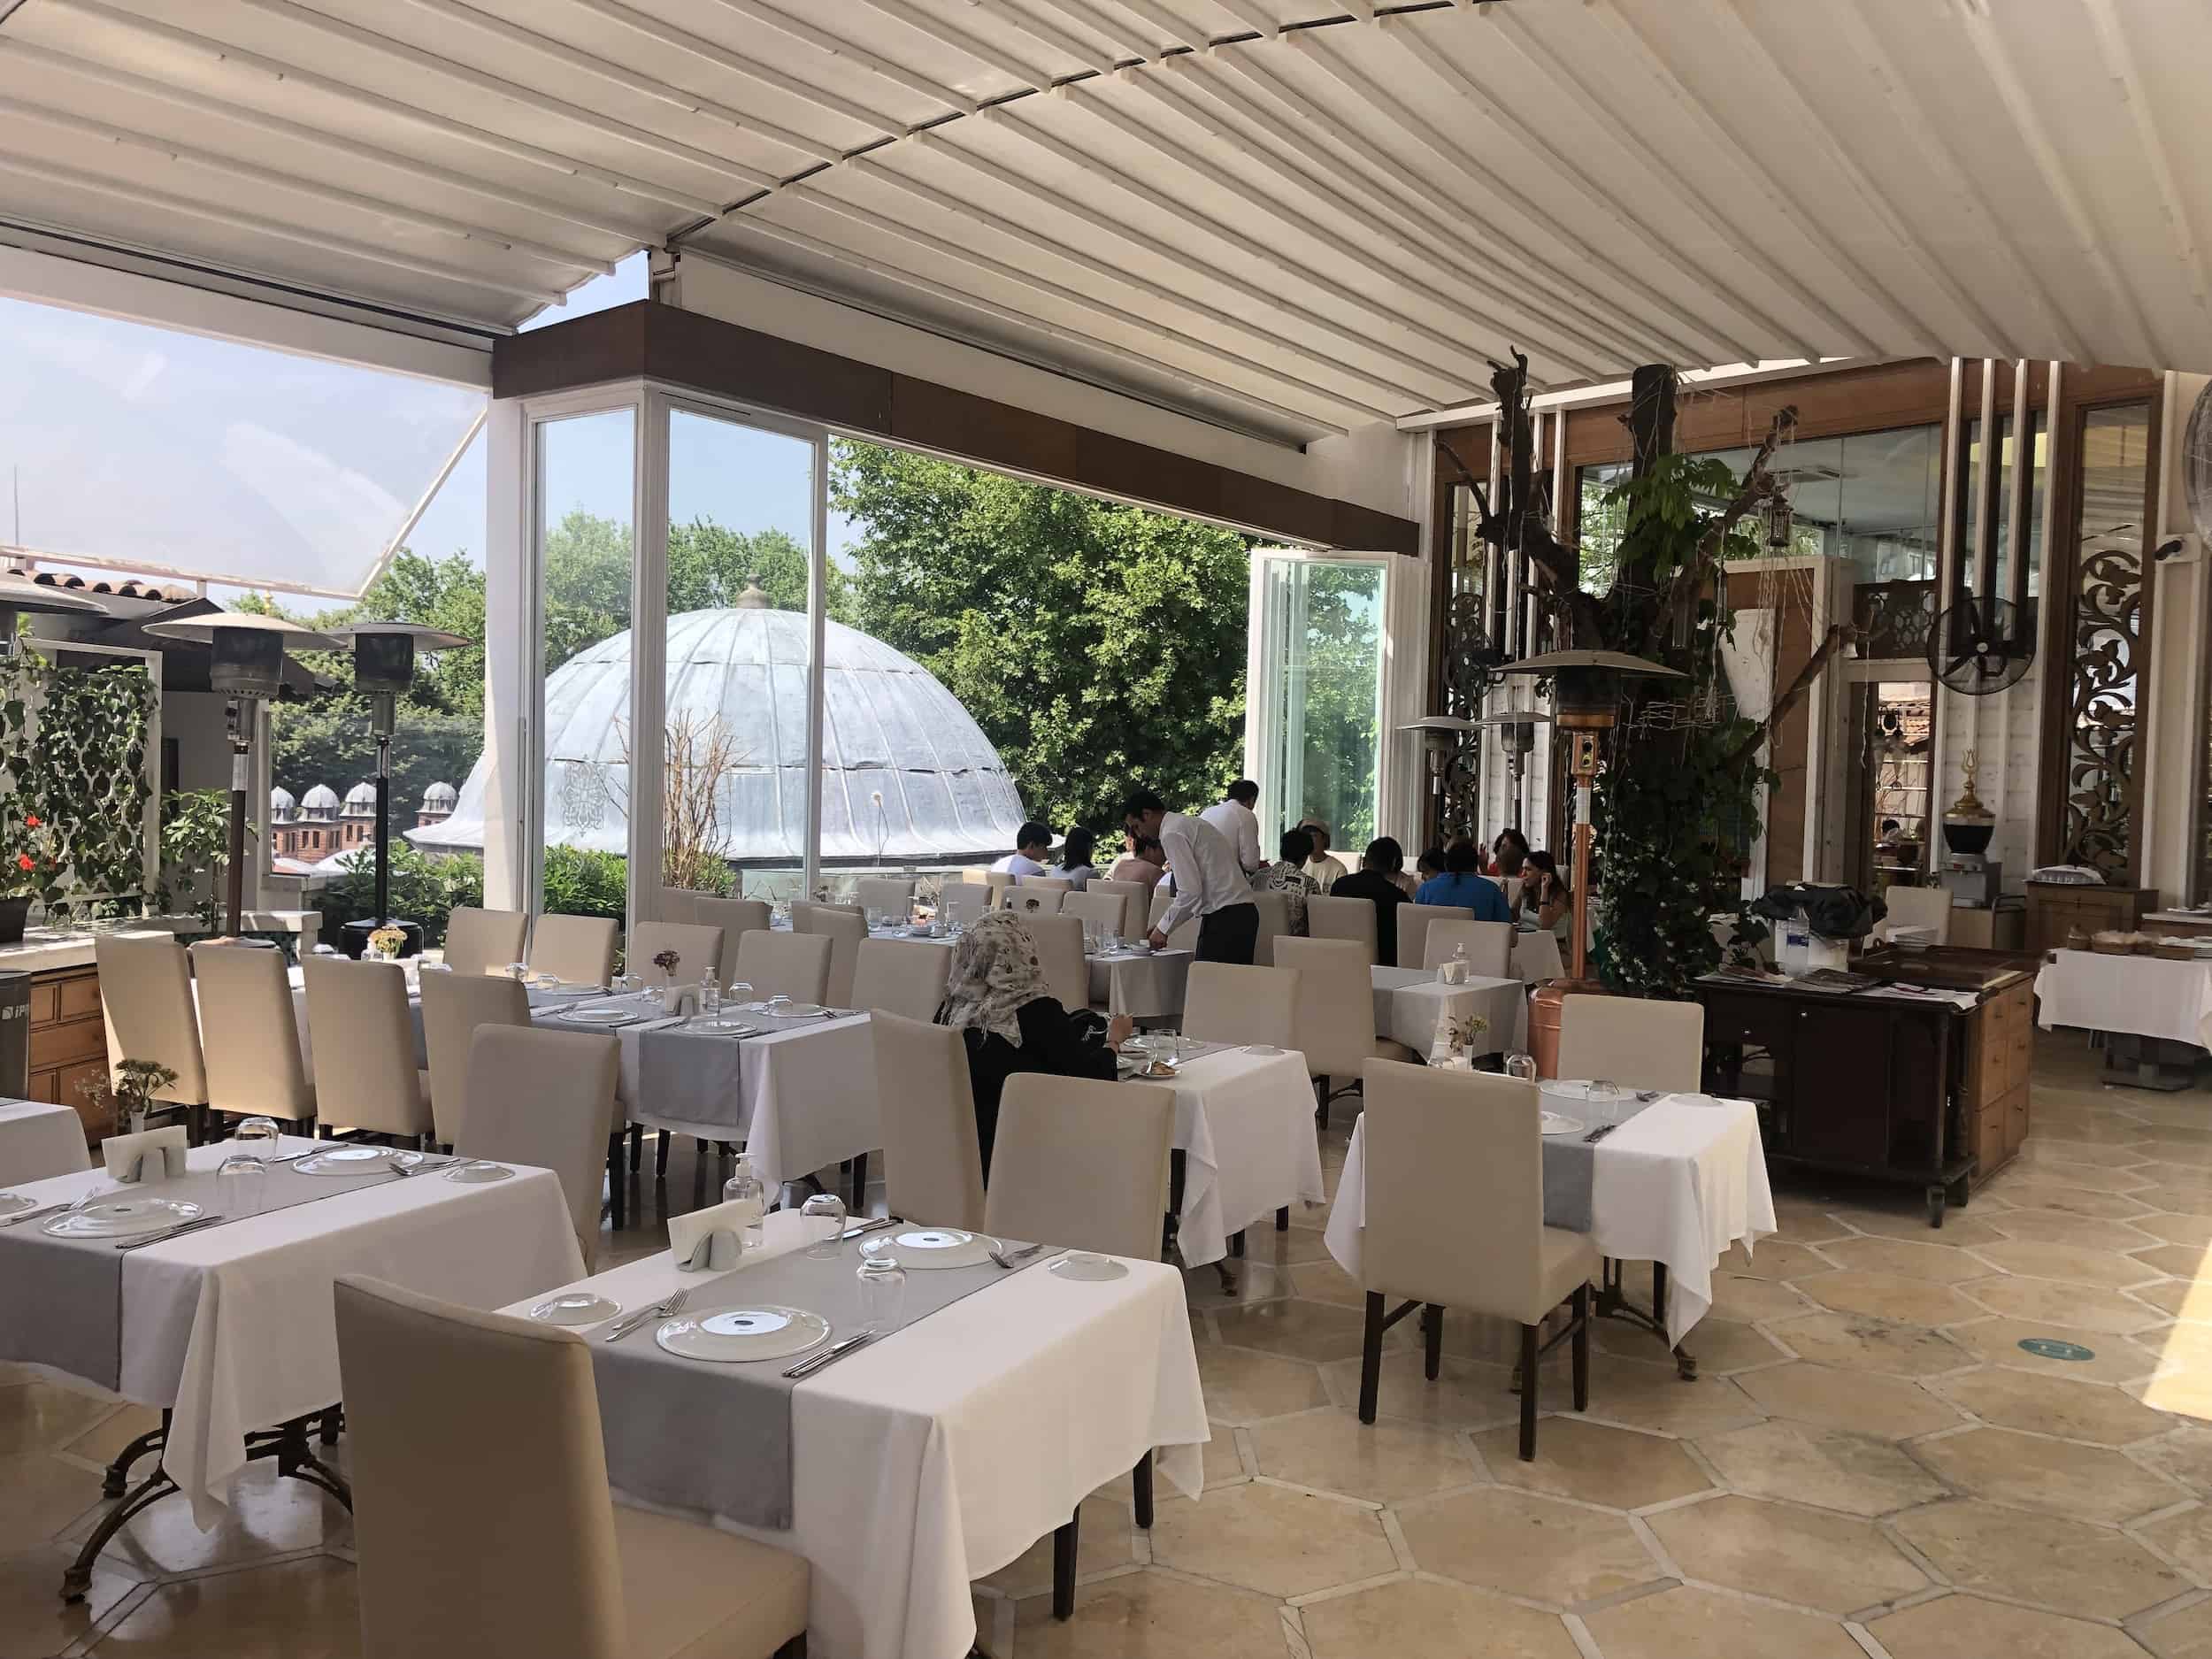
(195, 842)
(72, 751)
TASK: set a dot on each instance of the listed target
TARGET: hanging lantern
(1776, 512)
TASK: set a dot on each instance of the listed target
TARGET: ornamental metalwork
(1893, 617)
(2105, 635)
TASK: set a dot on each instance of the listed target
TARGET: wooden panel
(59, 1045)
(80, 994)
(1786, 805)
(45, 1002)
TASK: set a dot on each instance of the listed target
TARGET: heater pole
(1586, 775)
(240, 778)
(387, 714)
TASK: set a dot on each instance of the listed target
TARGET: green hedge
(424, 889)
(580, 883)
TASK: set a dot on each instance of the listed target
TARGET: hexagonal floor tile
(1740, 1296)
(2187, 1537)
(2184, 1456)
(1814, 1558)
(299, 1610)
(1302, 1330)
(1996, 1341)
(1721, 1346)
(1912, 1225)
(2191, 1230)
(2182, 1393)
(1932, 1262)
(2070, 1263)
(39, 1416)
(40, 1496)
(2027, 1471)
(1301, 1244)
(264, 1515)
(2055, 1227)
(1105, 1539)
(1594, 1462)
(1383, 1461)
(2191, 1261)
(2180, 1201)
(1529, 1546)
(1856, 1473)
(1151, 1616)
(1418, 1618)
(1644, 1395)
(2045, 1194)
(1862, 1401)
(2186, 1299)
(1242, 1386)
(33, 1619)
(2184, 1635)
(2066, 1565)
(2053, 1149)
(1272, 1539)
(1771, 1258)
(2051, 1405)
(1888, 1296)
(1955, 1626)
(2089, 1306)
(1254, 1282)
(1326, 1281)
(1852, 1341)
(1465, 1394)
(1686, 1620)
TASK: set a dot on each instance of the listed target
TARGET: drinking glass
(1109, 940)
(1521, 1065)
(257, 1137)
(782, 915)
(243, 1176)
(741, 995)
(519, 972)
(777, 1007)
(823, 1216)
(624, 984)
(882, 1294)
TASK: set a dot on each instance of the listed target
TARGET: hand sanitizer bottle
(745, 1188)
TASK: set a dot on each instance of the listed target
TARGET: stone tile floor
(1868, 1464)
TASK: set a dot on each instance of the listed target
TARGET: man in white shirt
(1323, 867)
(1032, 842)
(1233, 817)
(1208, 883)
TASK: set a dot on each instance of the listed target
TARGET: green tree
(1097, 645)
(709, 566)
(1342, 674)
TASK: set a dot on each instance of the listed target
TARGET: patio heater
(246, 666)
(383, 670)
(1516, 736)
(1442, 738)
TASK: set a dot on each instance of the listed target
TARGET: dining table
(1412, 1003)
(925, 1459)
(38, 1138)
(1134, 979)
(1244, 1125)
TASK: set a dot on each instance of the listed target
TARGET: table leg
(1140, 1481)
(860, 1184)
(1064, 1546)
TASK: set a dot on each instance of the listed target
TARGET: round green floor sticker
(2049, 1347)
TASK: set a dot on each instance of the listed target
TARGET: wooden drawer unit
(2054, 912)
(68, 1041)
(1993, 1081)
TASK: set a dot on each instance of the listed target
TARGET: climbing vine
(73, 753)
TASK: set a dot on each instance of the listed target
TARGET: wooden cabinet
(2056, 911)
(1993, 1083)
(69, 1041)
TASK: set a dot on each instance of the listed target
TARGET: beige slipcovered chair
(994, 880)
(1342, 918)
(1536, 957)
(1100, 911)
(1489, 946)
(1918, 907)
(1227, 1003)
(453, 1006)
(894, 894)
(1632, 1041)
(1274, 909)
(481, 1516)
(363, 1038)
(1455, 1218)
(698, 950)
(483, 941)
(1185, 936)
(577, 949)
(250, 1033)
(544, 1098)
(1336, 1013)
(735, 918)
(1052, 884)
(846, 930)
(962, 902)
(795, 966)
(901, 976)
(1414, 922)
(1136, 899)
(933, 1164)
(146, 997)
(1059, 942)
(1026, 901)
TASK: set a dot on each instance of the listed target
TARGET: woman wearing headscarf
(995, 997)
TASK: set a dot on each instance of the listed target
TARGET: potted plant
(196, 842)
(32, 860)
(130, 1096)
(387, 942)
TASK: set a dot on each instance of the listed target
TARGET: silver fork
(1015, 1258)
(661, 1310)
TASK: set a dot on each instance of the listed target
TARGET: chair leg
(637, 1145)
(1141, 1483)
(617, 1206)
(1282, 1219)
(1321, 1102)
(1064, 1542)
(1582, 1347)
(1532, 1351)
(1371, 1357)
(660, 1156)
(796, 1648)
(1236, 1244)
(1432, 1339)
(860, 1184)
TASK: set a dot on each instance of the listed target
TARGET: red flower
(23, 861)
(32, 820)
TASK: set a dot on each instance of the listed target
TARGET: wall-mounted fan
(1979, 645)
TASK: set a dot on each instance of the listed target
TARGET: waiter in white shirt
(1233, 815)
(1208, 883)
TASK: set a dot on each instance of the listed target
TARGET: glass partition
(1320, 697)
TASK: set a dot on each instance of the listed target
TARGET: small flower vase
(137, 1115)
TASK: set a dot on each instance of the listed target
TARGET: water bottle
(1458, 975)
(709, 997)
(745, 1188)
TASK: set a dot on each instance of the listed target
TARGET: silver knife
(835, 1351)
(865, 1227)
(167, 1233)
(32, 1215)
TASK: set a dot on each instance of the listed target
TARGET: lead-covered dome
(907, 776)
(321, 802)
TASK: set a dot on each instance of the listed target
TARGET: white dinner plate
(10, 1203)
(477, 1174)
(576, 1307)
(350, 1160)
(1559, 1123)
(933, 1246)
(802, 1010)
(599, 1015)
(1087, 1268)
(1261, 1049)
(559, 989)
(737, 1334)
(121, 1218)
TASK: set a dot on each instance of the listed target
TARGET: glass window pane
(1323, 626)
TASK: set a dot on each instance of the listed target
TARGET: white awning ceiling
(1269, 213)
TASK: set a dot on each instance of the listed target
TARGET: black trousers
(1229, 935)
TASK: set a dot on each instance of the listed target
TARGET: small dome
(439, 797)
(360, 801)
(321, 801)
(281, 806)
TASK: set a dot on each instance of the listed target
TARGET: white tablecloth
(37, 1140)
(1411, 1001)
(1244, 1124)
(233, 1326)
(931, 1458)
(1679, 1183)
(2144, 995)
(1143, 987)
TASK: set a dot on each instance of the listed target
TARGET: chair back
(1919, 907)
(933, 1164)
(453, 1006)
(962, 902)
(846, 929)
(1347, 918)
(894, 894)
(1081, 1162)
(901, 976)
(1098, 912)
(698, 950)
(450, 1415)
(1274, 909)
(363, 1038)
(996, 878)
(1414, 922)
(577, 949)
(795, 966)
(146, 994)
(1185, 936)
(1634, 1041)
(481, 941)
(1536, 957)
(1025, 901)
(1456, 1176)
(1051, 884)
(1136, 903)
(1059, 942)
(249, 1033)
(1336, 1003)
(734, 918)
(545, 1098)
(1228, 1003)
(1489, 946)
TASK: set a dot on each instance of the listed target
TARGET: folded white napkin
(151, 1154)
(722, 1228)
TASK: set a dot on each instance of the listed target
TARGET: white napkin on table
(722, 1226)
(153, 1154)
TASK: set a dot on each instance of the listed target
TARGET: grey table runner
(717, 1437)
(1569, 1161)
(61, 1299)
(693, 1072)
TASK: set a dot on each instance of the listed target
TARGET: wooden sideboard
(69, 1041)
(2054, 912)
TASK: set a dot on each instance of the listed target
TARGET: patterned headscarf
(994, 972)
